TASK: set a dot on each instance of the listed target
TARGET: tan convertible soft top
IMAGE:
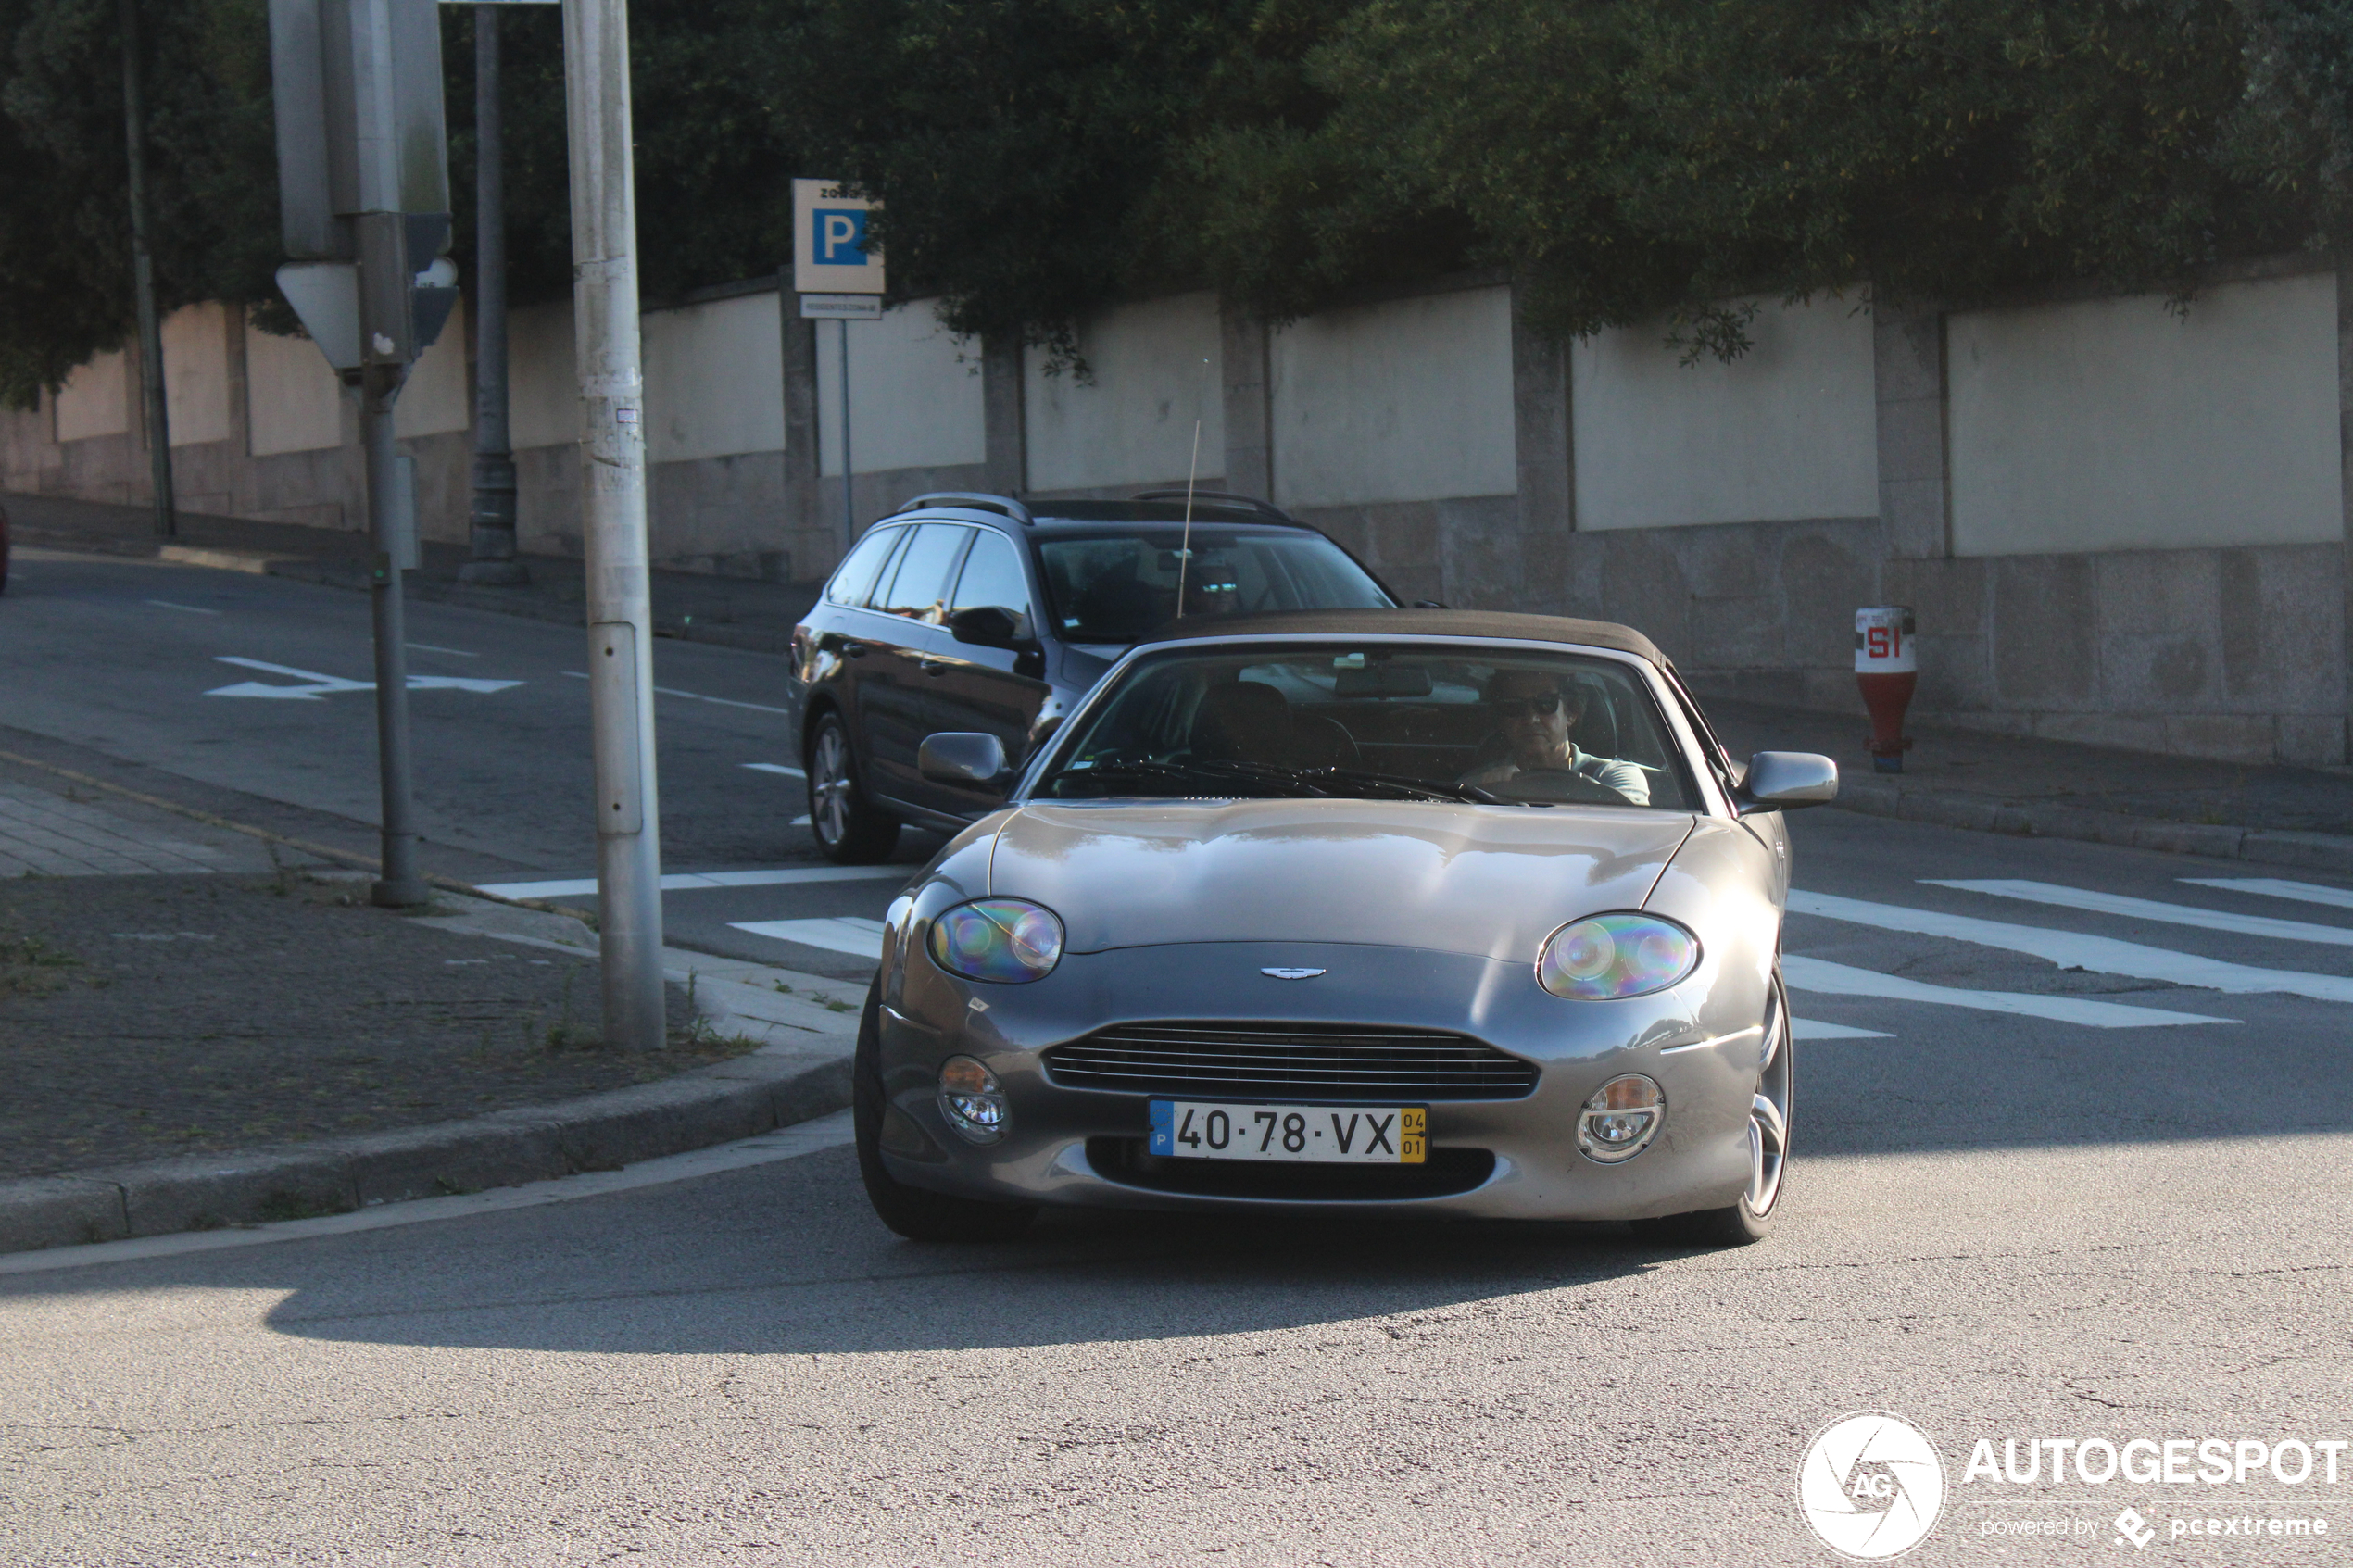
(1416, 624)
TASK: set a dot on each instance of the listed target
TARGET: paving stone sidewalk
(170, 989)
(1970, 778)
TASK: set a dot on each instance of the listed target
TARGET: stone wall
(2121, 520)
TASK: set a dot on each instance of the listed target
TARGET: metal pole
(603, 266)
(142, 274)
(493, 561)
(848, 510)
(390, 528)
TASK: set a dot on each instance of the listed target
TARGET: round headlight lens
(1621, 1120)
(972, 1099)
(1604, 957)
(1009, 940)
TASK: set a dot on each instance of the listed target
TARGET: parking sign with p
(830, 252)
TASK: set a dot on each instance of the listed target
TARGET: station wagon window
(992, 575)
(1466, 722)
(1116, 587)
(919, 587)
(855, 577)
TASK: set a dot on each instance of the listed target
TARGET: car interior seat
(1250, 722)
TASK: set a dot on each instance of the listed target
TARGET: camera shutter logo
(1871, 1485)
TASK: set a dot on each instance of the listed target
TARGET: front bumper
(1495, 1159)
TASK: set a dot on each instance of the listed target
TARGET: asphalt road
(165, 665)
(2063, 1172)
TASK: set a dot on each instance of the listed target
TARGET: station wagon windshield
(1367, 721)
(1116, 586)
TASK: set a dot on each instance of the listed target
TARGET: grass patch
(30, 965)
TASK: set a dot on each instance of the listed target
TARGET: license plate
(1201, 1129)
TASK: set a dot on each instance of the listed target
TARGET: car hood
(1484, 880)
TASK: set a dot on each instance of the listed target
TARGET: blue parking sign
(837, 236)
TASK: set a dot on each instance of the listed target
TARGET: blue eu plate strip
(1163, 1126)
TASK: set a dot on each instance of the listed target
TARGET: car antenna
(1185, 550)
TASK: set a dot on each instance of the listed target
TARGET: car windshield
(1117, 585)
(1461, 722)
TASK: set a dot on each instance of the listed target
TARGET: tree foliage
(64, 234)
(1623, 158)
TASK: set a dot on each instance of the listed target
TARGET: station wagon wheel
(849, 829)
(1749, 1219)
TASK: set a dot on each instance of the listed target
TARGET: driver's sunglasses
(1530, 706)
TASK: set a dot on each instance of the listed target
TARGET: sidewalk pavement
(1962, 778)
(728, 611)
(202, 1028)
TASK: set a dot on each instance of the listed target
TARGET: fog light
(1621, 1118)
(971, 1100)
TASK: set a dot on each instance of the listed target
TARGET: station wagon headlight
(1606, 957)
(1009, 940)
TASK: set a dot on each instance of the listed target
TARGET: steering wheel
(1560, 785)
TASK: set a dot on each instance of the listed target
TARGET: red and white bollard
(1887, 669)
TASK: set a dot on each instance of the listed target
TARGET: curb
(2312, 851)
(771, 1089)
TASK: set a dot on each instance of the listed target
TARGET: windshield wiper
(1193, 773)
(1471, 793)
(1312, 782)
(1314, 779)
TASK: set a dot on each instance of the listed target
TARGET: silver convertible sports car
(1372, 911)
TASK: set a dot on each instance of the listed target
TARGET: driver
(1539, 712)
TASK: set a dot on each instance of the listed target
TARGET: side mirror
(962, 757)
(1779, 781)
(988, 626)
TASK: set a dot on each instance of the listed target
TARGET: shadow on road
(787, 1259)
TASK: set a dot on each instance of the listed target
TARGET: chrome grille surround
(1290, 1061)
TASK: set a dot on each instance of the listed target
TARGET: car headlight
(1009, 940)
(1604, 957)
(972, 1099)
(1621, 1120)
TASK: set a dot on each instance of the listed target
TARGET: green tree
(65, 236)
(1630, 158)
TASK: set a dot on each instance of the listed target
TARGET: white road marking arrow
(321, 685)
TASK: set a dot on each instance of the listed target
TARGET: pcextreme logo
(1871, 1485)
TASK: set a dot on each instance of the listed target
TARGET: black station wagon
(982, 613)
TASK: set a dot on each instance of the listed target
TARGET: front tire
(915, 1212)
(1751, 1218)
(849, 829)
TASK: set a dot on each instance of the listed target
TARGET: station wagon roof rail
(981, 499)
(1267, 509)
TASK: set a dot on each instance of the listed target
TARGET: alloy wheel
(829, 785)
(1768, 1111)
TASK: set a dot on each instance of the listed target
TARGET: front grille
(1279, 1060)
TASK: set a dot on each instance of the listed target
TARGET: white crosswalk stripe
(2153, 909)
(2277, 888)
(1840, 980)
(1815, 1029)
(2101, 955)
